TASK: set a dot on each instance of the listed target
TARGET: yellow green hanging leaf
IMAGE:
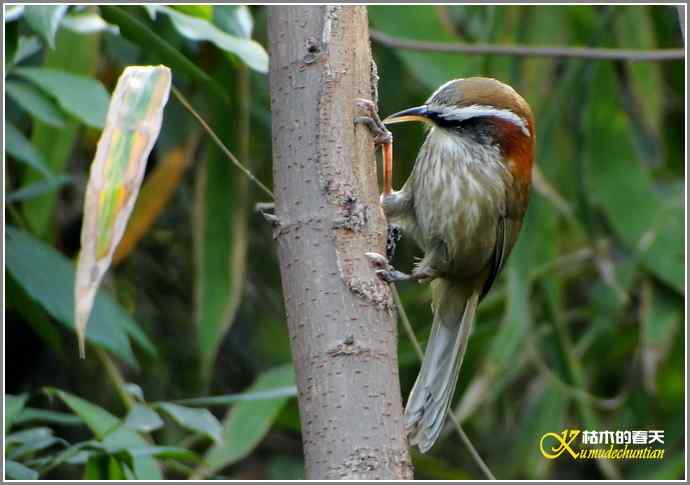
(132, 126)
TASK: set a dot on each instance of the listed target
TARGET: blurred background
(585, 328)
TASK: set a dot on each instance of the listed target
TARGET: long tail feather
(427, 406)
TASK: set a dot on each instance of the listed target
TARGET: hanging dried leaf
(132, 126)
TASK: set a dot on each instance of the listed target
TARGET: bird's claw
(392, 275)
(372, 120)
(384, 270)
(263, 208)
(378, 261)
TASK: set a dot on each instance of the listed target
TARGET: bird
(463, 203)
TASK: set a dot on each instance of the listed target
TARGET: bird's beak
(418, 113)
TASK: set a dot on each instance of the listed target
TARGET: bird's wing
(498, 256)
(507, 230)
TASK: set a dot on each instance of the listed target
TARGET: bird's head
(484, 110)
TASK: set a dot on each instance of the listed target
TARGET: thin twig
(181, 98)
(406, 323)
(592, 53)
(418, 349)
(470, 447)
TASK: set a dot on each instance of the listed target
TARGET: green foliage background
(584, 330)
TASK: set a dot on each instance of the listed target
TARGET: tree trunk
(340, 316)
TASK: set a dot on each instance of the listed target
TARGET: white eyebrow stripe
(476, 110)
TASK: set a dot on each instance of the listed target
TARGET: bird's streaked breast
(459, 189)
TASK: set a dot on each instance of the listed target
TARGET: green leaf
(545, 415)
(96, 468)
(660, 317)
(165, 452)
(139, 33)
(53, 288)
(88, 23)
(201, 11)
(14, 405)
(35, 316)
(99, 421)
(284, 391)
(83, 97)
(107, 428)
(17, 471)
(74, 454)
(515, 325)
(13, 12)
(105, 467)
(143, 418)
(145, 467)
(625, 191)
(135, 391)
(194, 28)
(247, 423)
(30, 447)
(37, 189)
(30, 415)
(21, 149)
(45, 19)
(234, 19)
(28, 435)
(116, 469)
(196, 420)
(26, 47)
(129, 454)
(35, 102)
(634, 29)
(79, 54)
(220, 242)
(11, 43)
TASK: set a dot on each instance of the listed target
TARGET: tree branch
(528, 51)
(340, 316)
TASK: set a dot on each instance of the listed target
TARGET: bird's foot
(263, 208)
(388, 273)
(372, 120)
(384, 270)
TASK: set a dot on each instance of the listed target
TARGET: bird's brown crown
(482, 91)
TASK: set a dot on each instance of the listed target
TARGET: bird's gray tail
(425, 413)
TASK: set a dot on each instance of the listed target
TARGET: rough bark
(340, 315)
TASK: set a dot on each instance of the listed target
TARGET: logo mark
(563, 442)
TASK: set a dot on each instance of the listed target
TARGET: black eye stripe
(476, 116)
(467, 123)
